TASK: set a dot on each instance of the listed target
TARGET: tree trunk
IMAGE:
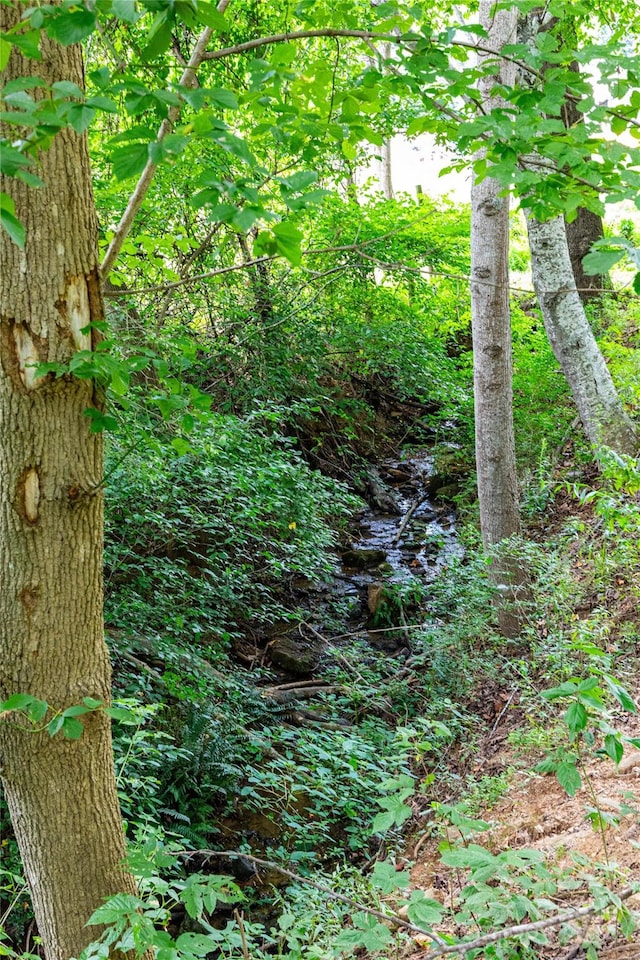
(582, 232)
(491, 323)
(574, 345)
(61, 793)
(492, 355)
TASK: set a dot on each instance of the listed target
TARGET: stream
(397, 548)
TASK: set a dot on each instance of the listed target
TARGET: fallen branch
(517, 930)
(410, 512)
(270, 865)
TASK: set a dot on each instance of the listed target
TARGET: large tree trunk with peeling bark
(492, 354)
(574, 345)
(491, 323)
(61, 793)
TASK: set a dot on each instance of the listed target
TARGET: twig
(270, 865)
(243, 936)
(515, 931)
(501, 714)
(410, 512)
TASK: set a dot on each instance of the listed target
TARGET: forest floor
(534, 812)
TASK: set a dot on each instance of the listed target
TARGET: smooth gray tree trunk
(574, 345)
(491, 320)
(492, 354)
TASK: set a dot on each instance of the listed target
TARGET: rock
(296, 655)
(361, 558)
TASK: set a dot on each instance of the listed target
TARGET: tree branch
(188, 79)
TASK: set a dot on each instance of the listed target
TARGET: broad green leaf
(72, 729)
(569, 777)
(92, 703)
(13, 227)
(207, 14)
(288, 240)
(71, 25)
(38, 711)
(222, 98)
(55, 725)
(125, 10)
(17, 701)
(122, 904)
(129, 161)
(387, 879)
(77, 710)
(382, 822)
(159, 37)
(601, 261)
(564, 690)
(472, 856)
(576, 717)
(624, 699)
(613, 747)
(121, 714)
(29, 43)
(423, 911)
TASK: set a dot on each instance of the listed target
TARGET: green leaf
(55, 725)
(382, 822)
(92, 703)
(423, 911)
(17, 701)
(29, 43)
(72, 729)
(125, 10)
(159, 37)
(472, 856)
(624, 699)
(636, 283)
(223, 98)
(288, 240)
(129, 161)
(207, 14)
(71, 25)
(387, 879)
(613, 747)
(5, 52)
(576, 717)
(38, 711)
(121, 714)
(13, 227)
(564, 690)
(569, 777)
(77, 710)
(601, 261)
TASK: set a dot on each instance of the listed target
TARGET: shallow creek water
(418, 539)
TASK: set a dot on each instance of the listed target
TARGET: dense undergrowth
(220, 526)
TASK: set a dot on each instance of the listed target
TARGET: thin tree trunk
(61, 793)
(491, 331)
(574, 345)
(491, 324)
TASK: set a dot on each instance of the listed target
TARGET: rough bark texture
(61, 793)
(574, 345)
(582, 232)
(491, 322)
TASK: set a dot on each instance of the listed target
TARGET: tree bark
(61, 793)
(582, 232)
(492, 354)
(574, 345)
(491, 321)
